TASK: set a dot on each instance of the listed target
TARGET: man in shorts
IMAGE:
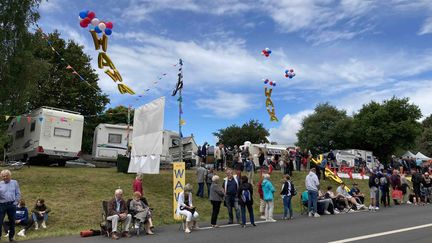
(373, 188)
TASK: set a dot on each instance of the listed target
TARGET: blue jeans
(9, 209)
(377, 198)
(313, 201)
(251, 213)
(231, 202)
(200, 192)
(36, 217)
(287, 206)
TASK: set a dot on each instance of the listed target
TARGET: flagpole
(180, 109)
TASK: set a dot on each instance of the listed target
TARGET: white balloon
(102, 26)
(95, 22)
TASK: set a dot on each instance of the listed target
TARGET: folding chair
(303, 206)
(106, 224)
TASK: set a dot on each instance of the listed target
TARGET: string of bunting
(68, 66)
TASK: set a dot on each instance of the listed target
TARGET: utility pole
(180, 100)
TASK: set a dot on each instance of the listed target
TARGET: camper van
(110, 140)
(46, 135)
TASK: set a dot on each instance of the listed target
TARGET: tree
(424, 140)
(252, 131)
(385, 128)
(325, 129)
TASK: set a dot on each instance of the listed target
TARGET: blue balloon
(83, 14)
(108, 31)
(269, 51)
(98, 30)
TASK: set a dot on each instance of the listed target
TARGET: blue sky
(346, 52)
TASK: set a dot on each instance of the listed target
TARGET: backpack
(293, 190)
(383, 181)
(248, 166)
(246, 196)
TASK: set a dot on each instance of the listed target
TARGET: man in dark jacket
(117, 211)
(231, 186)
(373, 188)
(245, 195)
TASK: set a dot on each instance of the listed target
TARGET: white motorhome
(45, 135)
(268, 149)
(110, 140)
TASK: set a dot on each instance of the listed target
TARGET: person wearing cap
(186, 208)
(355, 192)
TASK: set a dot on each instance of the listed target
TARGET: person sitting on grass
(339, 201)
(40, 212)
(21, 218)
(355, 192)
(340, 191)
(142, 212)
(117, 211)
(325, 205)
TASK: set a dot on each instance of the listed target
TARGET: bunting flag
(182, 122)
(52, 119)
(18, 118)
(7, 118)
(29, 119)
(68, 66)
(40, 119)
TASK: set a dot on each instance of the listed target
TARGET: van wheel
(62, 163)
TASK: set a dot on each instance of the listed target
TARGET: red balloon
(86, 20)
(91, 15)
(109, 25)
(286, 75)
(83, 24)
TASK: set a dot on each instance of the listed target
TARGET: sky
(345, 52)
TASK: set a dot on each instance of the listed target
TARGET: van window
(61, 132)
(114, 138)
(19, 134)
(33, 126)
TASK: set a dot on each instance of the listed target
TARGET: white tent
(408, 154)
(421, 156)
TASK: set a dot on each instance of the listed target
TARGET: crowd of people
(12, 205)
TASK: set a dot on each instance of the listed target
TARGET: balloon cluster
(271, 83)
(289, 73)
(89, 17)
(266, 52)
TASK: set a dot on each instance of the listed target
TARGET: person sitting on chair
(117, 211)
(355, 192)
(142, 212)
(340, 191)
(186, 208)
(40, 212)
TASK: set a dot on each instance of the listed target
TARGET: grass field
(75, 195)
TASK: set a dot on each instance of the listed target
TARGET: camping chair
(303, 206)
(106, 225)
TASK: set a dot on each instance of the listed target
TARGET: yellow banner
(179, 180)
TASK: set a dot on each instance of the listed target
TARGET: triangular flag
(7, 118)
(74, 72)
(182, 122)
(18, 118)
(29, 119)
(72, 119)
(40, 119)
(62, 119)
(52, 48)
(69, 67)
(52, 119)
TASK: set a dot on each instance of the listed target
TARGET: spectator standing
(374, 183)
(385, 188)
(261, 196)
(323, 166)
(245, 195)
(405, 188)
(209, 180)
(416, 179)
(216, 197)
(268, 191)
(298, 156)
(236, 156)
(261, 158)
(201, 179)
(287, 194)
(249, 167)
(231, 186)
(312, 186)
(332, 158)
(204, 152)
(137, 184)
(218, 157)
(9, 197)
(427, 187)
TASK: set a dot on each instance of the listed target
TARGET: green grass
(75, 195)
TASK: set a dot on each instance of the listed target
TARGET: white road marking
(381, 234)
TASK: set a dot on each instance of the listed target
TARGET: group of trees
(33, 75)
(252, 131)
(384, 128)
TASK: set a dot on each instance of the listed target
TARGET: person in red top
(261, 195)
(137, 184)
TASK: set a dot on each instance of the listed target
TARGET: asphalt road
(301, 229)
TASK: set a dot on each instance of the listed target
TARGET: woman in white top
(186, 208)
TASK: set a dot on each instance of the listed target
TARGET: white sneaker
(376, 208)
(310, 214)
(136, 226)
(271, 220)
(262, 217)
(187, 231)
(36, 225)
(371, 208)
(316, 215)
(408, 202)
(326, 212)
(22, 233)
(336, 211)
(7, 234)
(43, 224)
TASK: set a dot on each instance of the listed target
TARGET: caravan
(110, 140)
(46, 134)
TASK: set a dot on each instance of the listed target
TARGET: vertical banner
(179, 180)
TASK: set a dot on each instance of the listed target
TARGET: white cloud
(50, 6)
(427, 27)
(289, 126)
(226, 105)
